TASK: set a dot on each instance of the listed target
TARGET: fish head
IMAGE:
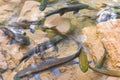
(23, 40)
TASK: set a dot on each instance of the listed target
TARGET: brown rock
(9, 8)
(8, 75)
(30, 11)
(91, 42)
(110, 36)
(107, 33)
(62, 24)
(112, 78)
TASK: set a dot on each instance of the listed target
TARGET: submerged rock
(107, 33)
(92, 38)
(9, 8)
(30, 11)
(62, 24)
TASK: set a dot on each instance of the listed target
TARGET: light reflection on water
(106, 14)
(80, 20)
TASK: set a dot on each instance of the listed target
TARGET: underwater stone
(62, 24)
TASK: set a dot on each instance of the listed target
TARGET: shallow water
(30, 11)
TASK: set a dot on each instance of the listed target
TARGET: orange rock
(108, 33)
(62, 24)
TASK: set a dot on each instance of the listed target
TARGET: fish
(16, 35)
(113, 73)
(43, 5)
(32, 70)
(102, 59)
(99, 66)
(74, 8)
(83, 61)
(45, 65)
(26, 24)
(40, 48)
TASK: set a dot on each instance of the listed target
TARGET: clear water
(106, 14)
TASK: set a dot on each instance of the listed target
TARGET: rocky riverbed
(29, 10)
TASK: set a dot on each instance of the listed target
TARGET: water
(101, 15)
(106, 14)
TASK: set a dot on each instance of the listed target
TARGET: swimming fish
(74, 8)
(83, 61)
(40, 48)
(45, 65)
(15, 35)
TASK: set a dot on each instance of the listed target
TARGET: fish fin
(74, 62)
(68, 4)
(12, 41)
(41, 54)
(37, 77)
(14, 69)
(56, 48)
(16, 77)
(4, 34)
(76, 11)
(55, 71)
(89, 62)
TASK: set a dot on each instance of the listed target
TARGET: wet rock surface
(106, 33)
(29, 10)
(62, 24)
